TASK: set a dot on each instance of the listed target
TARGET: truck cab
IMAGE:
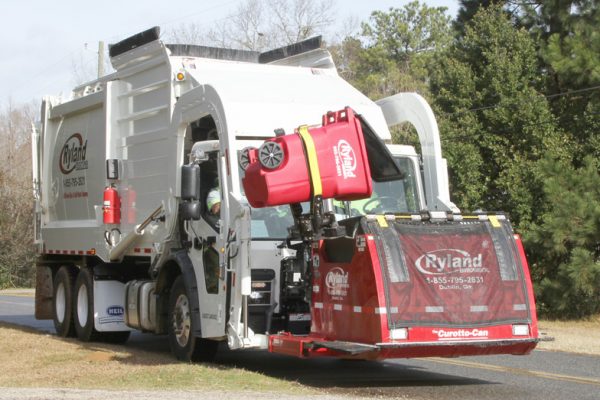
(276, 301)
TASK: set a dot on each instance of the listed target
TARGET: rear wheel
(183, 344)
(62, 301)
(83, 307)
(83, 312)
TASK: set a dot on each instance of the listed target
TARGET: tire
(83, 306)
(62, 301)
(183, 344)
(83, 312)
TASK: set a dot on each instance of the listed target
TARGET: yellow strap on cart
(313, 162)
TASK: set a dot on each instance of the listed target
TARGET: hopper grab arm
(116, 253)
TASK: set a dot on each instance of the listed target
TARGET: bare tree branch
(16, 204)
(263, 24)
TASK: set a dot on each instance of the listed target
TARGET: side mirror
(190, 182)
(190, 210)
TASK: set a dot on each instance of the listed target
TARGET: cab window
(397, 196)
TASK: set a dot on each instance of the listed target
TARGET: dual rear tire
(62, 301)
(73, 309)
(73, 306)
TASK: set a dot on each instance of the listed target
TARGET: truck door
(206, 241)
(207, 252)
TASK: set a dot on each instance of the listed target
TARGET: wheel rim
(60, 303)
(82, 305)
(181, 320)
(270, 155)
(244, 158)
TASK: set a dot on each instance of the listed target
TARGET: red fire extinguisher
(111, 206)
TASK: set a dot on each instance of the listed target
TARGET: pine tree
(393, 53)
(468, 9)
(496, 125)
(568, 42)
(394, 48)
(566, 243)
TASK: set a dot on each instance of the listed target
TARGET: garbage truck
(255, 198)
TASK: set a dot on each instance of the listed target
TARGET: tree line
(16, 202)
(516, 89)
(515, 85)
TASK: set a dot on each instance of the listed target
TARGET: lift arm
(411, 107)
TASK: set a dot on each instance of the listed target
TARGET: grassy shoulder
(33, 359)
(582, 336)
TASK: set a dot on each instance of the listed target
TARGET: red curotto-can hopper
(330, 161)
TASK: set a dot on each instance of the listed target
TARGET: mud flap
(43, 293)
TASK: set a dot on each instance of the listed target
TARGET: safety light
(399, 334)
(520, 330)
(180, 76)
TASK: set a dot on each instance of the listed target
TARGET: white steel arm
(412, 108)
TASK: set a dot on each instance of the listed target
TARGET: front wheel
(184, 345)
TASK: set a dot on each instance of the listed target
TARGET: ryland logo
(72, 155)
(337, 282)
(447, 261)
(345, 159)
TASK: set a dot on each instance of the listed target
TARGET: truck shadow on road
(343, 374)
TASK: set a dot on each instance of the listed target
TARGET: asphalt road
(541, 375)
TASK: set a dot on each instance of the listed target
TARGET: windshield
(271, 222)
(398, 196)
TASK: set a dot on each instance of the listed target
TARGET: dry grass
(33, 359)
(573, 336)
(69, 363)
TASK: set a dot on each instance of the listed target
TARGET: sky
(44, 43)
